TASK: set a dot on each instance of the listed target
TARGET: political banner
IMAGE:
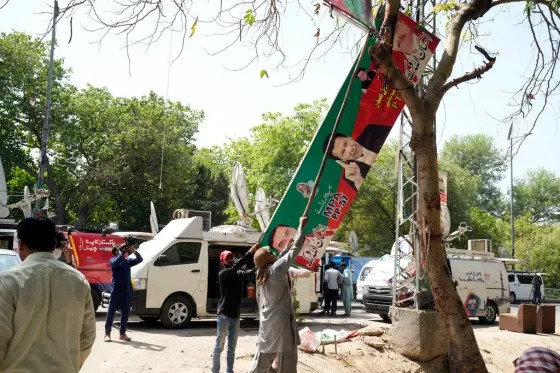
(371, 110)
(358, 10)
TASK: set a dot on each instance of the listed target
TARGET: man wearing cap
(231, 292)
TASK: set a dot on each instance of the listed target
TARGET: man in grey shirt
(278, 332)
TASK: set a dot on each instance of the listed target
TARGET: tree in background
(23, 83)
(539, 196)
(105, 153)
(479, 157)
(475, 166)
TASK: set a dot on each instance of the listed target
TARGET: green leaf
(264, 73)
(249, 17)
(445, 7)
(193, 27)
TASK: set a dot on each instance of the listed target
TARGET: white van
(178, 279)
(482, 284)
(361, 281)
(521, 286)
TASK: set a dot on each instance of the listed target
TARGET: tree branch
(466, 13)
(543, 2)
(476, 73)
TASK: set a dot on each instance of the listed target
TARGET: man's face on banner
(346, 149)
(283, 236)
(362, 75)
(404, 40)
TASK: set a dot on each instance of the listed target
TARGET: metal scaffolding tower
(407, 188)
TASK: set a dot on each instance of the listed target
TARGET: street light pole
(511, 192)
(46, 124)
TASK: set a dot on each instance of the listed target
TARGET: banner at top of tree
(358, 10)
(371, 111)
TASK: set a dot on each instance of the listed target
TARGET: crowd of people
(47, 320)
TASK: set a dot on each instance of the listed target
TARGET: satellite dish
(153, 219)
(261, 209)
(4, 211)
(445, 221)
(25, 206)
(353, 241)
(240, 195)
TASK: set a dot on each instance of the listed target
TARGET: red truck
(92, 252)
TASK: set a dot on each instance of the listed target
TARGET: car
(521, 286)
(8, 259)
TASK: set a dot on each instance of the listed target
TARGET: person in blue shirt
(121, 296)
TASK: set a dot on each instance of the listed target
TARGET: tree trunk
(464, 354)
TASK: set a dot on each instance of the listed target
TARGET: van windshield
(365, 273)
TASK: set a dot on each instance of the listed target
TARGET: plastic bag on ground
(309, 341)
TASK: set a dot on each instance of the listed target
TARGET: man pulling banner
(371, 110)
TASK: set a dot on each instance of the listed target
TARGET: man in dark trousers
(121, 296)
(231, 292)
(536, 283)
(332, 279)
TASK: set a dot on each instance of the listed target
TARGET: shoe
(125, 338)
(107, 338)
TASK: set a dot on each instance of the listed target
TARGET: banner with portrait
(371, 111)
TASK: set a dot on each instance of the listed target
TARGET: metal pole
(511, 196)
(46, 124)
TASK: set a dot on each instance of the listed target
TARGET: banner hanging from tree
(358, 10)
(371, 111)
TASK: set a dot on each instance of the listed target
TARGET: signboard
(372, 109)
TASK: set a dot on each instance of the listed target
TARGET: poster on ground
(370, 113)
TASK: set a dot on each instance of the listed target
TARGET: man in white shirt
(47, 321)
(331, 278)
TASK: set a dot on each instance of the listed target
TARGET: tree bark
(464, 354)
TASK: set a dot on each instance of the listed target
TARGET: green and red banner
(371, 111)
(358, 10)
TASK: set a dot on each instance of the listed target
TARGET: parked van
(520, 286)
(482, 286)
(480, 282)
(178, 279)
(361, 281)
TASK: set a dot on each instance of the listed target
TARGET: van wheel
(96, 299)
(512, 297)
(385, 317)
(491, 313)
(176, 312)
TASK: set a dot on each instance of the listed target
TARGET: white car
(8, 259)
(520, 286)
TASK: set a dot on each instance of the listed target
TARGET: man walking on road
(121, 296)
(347, 289)
(332, 278)
(47, 322)
(231, 292)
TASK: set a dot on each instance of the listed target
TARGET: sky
(233, 101)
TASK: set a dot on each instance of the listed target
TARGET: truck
(178, 279)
